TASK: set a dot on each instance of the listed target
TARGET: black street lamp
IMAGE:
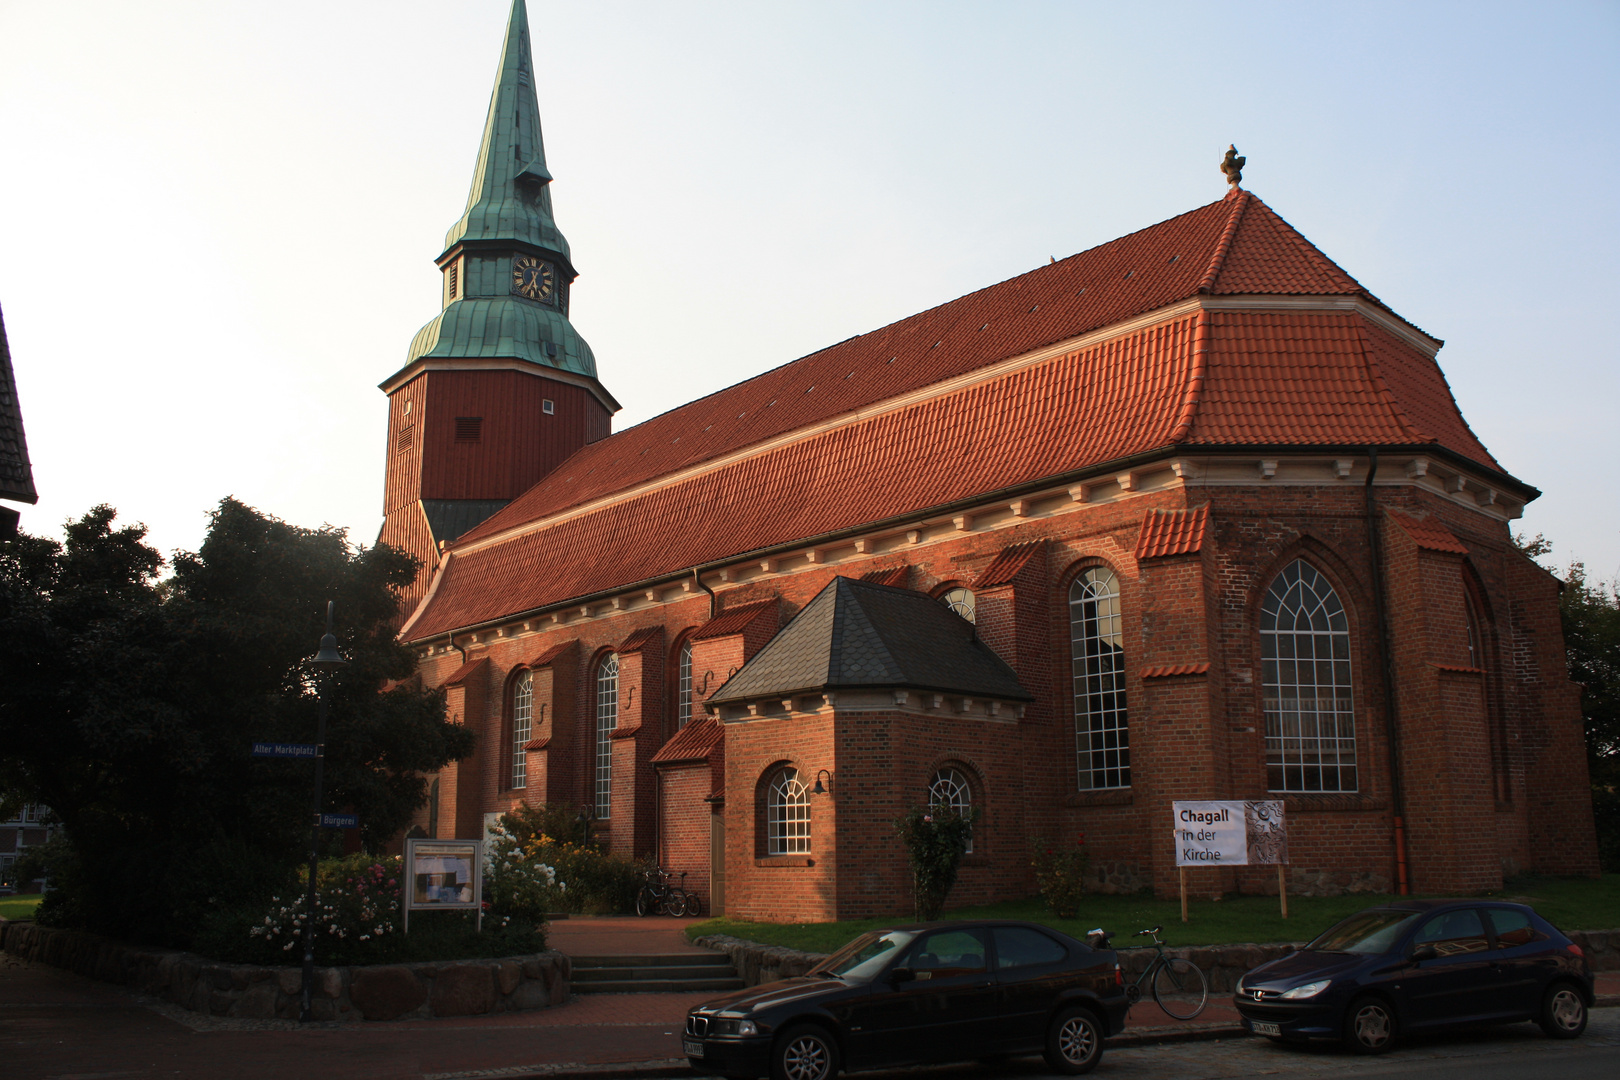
(325, 662)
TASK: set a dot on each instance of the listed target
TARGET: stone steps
(654, 973)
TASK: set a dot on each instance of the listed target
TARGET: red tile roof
(694, 742)
(550, 654)
(894, 576)
(732, 621)
(638, 639)
(1209, 378)
(1172, 532)
(1163, 671)
(465, 671)
(1429, 533)
(1005, 566)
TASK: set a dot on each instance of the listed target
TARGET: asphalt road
(1518, 1052)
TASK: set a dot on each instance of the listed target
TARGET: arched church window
(962, 602)
(1305, 659)
(1097, 648)
(787, 815)
(950, 789)
(522, 711)
(607, 718)
(683, 700)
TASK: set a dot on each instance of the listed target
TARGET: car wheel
(1074, 1042)
(1369, 1025)
(805, 1052)
(1563, 1012)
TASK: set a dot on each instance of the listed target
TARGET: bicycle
(658, 895)
(1175, 981)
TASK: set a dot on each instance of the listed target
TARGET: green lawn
(19, 907)
(1570, 903)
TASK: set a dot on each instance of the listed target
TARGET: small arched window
(961, 601)
(787, 815)
(607, 718)
(950, 789)
(683, 699)
(1102, 737)
(522, 712)
(1305, 658)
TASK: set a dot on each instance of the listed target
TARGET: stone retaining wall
(1223, 964)
(391, 992)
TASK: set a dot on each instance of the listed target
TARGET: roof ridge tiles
(1217, 260)
(1376, 375)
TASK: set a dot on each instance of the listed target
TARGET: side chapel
(1189, 515)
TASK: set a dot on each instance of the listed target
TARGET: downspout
(1391, 713)
(450, 639)
(714, 601)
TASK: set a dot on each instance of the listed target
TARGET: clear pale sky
(218, 218)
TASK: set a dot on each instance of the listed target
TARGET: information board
(444, 875)
(1231, 833)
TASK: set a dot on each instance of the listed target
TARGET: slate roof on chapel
(861, 635)
(873, 429)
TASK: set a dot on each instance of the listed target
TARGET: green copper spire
(509, 198)
(507, 268)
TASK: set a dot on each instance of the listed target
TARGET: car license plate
(1260, 1027)
(693, 1047)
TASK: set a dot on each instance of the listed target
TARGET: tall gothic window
(683, 702)
(1305, 655)
(607, 718)
(950, 789)
(961, 601)
(787, 815)
(522, 711)
(1097, 647)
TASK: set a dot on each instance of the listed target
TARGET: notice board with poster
(444, 875)
(1252, 832)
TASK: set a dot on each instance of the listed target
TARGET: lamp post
(325, 662)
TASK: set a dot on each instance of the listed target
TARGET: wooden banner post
(1282, 889)
(1183, 894)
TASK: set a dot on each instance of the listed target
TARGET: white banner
(1230, 833)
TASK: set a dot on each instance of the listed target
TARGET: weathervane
(1232, 166)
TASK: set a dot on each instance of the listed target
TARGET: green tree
(1591, 618)
(129, 706)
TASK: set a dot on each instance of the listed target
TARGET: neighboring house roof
(834, 441)
(16, 471)
(861, 635)
(1172, 532)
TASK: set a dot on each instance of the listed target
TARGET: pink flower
(928, 818)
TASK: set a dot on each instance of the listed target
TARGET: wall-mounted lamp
(818, 789)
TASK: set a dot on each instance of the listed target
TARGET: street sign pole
(325, 662)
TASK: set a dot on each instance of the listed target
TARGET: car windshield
(1368, 933)
(863, 958)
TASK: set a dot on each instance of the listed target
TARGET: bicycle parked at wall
(660, 896)
(1179, 986)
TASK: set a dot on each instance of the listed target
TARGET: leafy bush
(1061, 874)
(936, 838)
(542, 862)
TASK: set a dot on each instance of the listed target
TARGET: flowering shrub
(1061, 874)
(936, 838)
(355, 898)
(540, 862)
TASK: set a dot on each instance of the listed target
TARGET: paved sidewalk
(57, 1025)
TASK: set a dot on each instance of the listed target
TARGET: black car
(916, 994)
(1421, 965)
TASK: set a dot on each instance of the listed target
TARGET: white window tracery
(522, 713)
(963, 602)
(950, 789)
(1305, 659)
(683, 703)
(1097, 649)
(787, 815)
(607, 718)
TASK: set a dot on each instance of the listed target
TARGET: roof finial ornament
(1232, 166)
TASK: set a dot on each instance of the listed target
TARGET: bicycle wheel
(1180, 988)
(675, 903)
(694, 903)
(646, 901)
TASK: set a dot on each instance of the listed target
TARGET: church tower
(499, 388)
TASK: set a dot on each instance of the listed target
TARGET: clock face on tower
(534, 278)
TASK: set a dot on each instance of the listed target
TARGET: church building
(1189, 515)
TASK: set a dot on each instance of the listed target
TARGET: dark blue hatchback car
(1421, 965)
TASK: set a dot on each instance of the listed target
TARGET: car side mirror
(902, 975)
(1424, 952)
